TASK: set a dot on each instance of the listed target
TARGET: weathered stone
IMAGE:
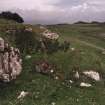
(1, 44)
(10, 62)
(48, 34)
(82, 84)
(77, 75)
(22, 95)
(93, 75)
(28, 56)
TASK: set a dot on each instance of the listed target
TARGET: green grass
(44, 90)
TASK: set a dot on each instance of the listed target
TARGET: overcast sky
(56, 11)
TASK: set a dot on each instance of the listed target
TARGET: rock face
(10, 62)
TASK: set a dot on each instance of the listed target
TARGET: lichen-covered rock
(10, 62)
(48, 34)
(93, 75)
(1, 44)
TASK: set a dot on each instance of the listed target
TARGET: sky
(56, 11)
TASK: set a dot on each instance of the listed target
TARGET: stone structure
(10, 62)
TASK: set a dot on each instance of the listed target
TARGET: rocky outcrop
(50, 35)
(10, 62)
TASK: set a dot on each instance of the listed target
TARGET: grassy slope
(45, 90)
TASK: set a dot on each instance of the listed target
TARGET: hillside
(88, 42)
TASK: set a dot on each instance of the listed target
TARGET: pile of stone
(49, 69)
(10, 62)
(43, 67)
(83, 79)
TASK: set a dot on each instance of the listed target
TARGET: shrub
(12, 16)
(25, 41)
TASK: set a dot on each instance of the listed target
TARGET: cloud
(56, 11)
(26, 4)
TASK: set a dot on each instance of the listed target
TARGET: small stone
(70, 81)
(28, 57)
(53, 103)
(77, 100)
(72, 49)
(56, 77)
(52, 71)
(77, 75)
(82, 84)
(70, 87)
(22, 95)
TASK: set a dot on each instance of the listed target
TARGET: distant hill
(93, 22)
(81, 22)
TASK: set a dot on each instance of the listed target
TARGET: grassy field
(88, 41)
